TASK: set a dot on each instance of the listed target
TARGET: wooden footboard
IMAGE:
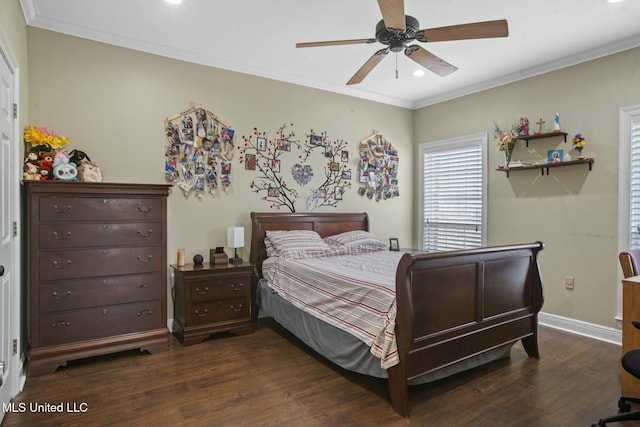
(455, 305)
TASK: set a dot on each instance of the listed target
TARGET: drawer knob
(105, 226)
(145, 313)
(144, 260)
(145, 233)
(61, 266)
(202, 291)
(56, 297)
(61, 236)
(105, 281)
(61, 210)
(143, 285)
(144, 209)
(60, 324)
(237, 288)
(105, 310)
(204, 313)
(105, 201)
(232, 307)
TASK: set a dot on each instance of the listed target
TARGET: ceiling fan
(397, 30)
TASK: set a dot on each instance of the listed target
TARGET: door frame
(16, 377)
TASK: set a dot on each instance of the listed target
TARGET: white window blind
(454, 196)
(635, 185)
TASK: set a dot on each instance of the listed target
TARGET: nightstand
(210, 299)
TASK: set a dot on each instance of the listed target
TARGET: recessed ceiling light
(615, 1)
(418, 73)
(173, 1)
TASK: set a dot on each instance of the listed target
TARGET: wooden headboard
(325, 224)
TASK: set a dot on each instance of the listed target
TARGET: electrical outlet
(569, 282)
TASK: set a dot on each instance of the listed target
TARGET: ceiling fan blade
(336, 42)
(476, 30)
(368, 66)
(429, 61)
(393, 14)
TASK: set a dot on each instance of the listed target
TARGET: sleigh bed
(453, 310)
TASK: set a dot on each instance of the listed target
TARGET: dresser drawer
(218, 311)
(99, 291)
(98, 322)
(70, 235)
(99, 208)
(229, 287)
(66, 264)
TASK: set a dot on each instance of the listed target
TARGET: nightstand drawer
(99, 291)
(75, 235)
(218, 311)
(230, 287)
(98, 322)
(99, 208)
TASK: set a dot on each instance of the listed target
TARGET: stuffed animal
(89, 172)
(63, 169)
(30, 172)
(45, 165)
(77, 157)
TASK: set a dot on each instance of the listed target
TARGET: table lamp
(235, 240)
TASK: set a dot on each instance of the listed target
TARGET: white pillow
(355, 242)
(292, 244)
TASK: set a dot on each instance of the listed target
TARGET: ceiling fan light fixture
(418, 73)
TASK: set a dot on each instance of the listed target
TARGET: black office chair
(630, 262)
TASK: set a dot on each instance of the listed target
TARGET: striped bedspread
(355, 293)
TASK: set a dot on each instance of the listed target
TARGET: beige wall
(14, 31)
(111, 103)
(573, 211)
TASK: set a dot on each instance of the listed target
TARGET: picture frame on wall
(261, 143)
(315, 140)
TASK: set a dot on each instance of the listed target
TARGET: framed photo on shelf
(393, 244)
(555, 156)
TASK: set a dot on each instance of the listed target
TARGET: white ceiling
(258, 37)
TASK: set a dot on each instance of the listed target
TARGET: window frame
(475, 140)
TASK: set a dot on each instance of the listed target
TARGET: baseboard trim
(578, 327)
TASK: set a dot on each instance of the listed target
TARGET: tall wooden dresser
(97, 278)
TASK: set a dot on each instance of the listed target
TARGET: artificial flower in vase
(42, 139)
(506, 140)
(578, 142)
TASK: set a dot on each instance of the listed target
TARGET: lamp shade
(235, 237)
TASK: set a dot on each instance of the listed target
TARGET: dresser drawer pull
(145, 313)
(58, 209)
(236, 309)
(105, 282)
(206, 310)
(56, 297)
(105, 226)
(144, 209)
(144, 285)
(145, 233)
(144, 261)
(60, 266)
(202, 291)
(61, 236)
(61, 323)
(105, 201)
(238, 288)
(105, 310)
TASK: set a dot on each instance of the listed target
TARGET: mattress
(355, 293)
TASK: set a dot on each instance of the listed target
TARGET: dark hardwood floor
(268, 379)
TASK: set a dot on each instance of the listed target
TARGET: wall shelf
(528, 138)
(546, 166)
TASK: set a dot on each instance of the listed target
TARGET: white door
(9, 301)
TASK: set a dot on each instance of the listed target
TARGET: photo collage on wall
(378, 168)
(199, 152)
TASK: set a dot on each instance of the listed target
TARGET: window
(629, 179)
(453, 193)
